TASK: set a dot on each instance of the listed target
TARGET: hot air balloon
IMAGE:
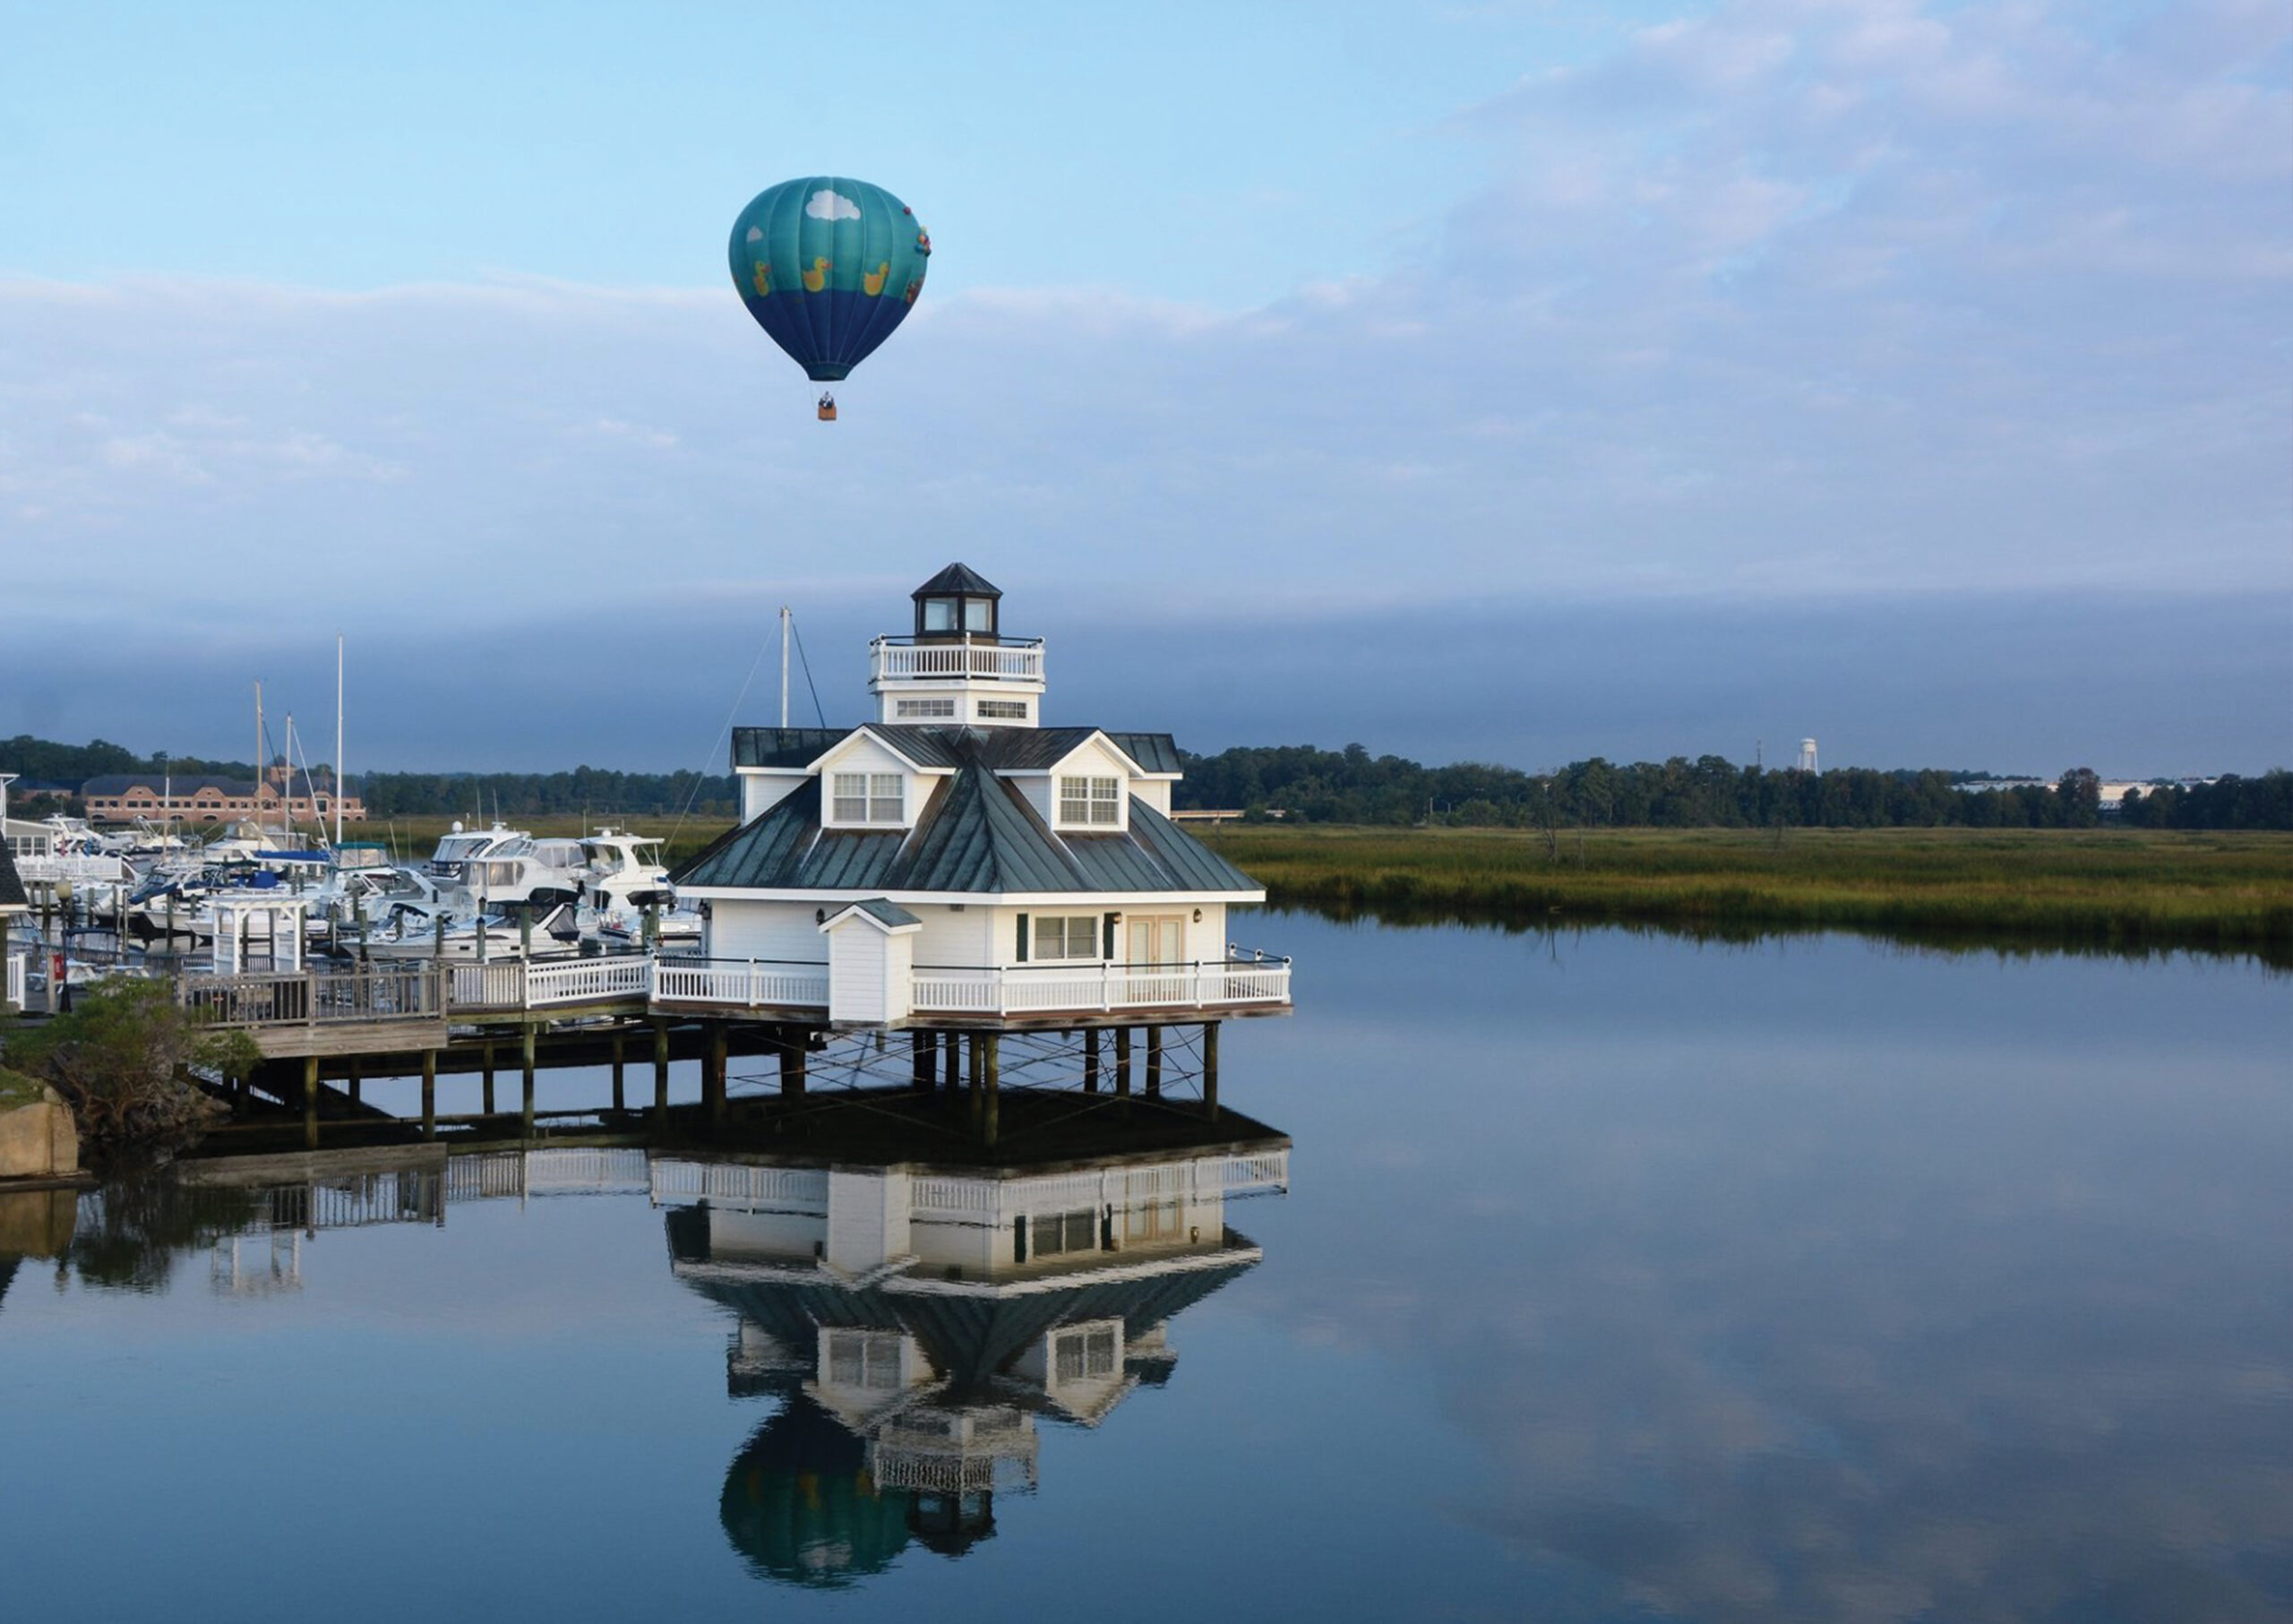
(829, 266)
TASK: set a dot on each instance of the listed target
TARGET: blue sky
(1505, 328)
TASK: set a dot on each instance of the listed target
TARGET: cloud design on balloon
(828, 204)
(755, 234)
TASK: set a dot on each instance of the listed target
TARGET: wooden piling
(1210, 1069)
(991, 1074)
(1123, 1059)
(978, 1079)
(620, 1080)
(793, 1061)
(429, 1093)
(352, 1077)
(530, 1033)
(1154, 1063)
(1091, 1061)
(922, 1061)
(953, 1042)
(660, 1072)
(486, 1060)
(311, 1103)
(712, 1071)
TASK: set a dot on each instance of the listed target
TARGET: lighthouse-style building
(955, 863)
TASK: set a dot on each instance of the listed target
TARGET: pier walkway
(412, 1006)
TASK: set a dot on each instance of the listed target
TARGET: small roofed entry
(870, 963)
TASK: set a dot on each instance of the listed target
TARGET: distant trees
(1350, 785)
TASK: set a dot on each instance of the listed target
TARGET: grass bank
(2132, 889)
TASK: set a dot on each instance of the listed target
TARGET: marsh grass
(2126, 889)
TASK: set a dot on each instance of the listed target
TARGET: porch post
(1123, 1059)
(1210, 1069)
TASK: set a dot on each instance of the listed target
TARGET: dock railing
(1104, 988)
(749, 983)
(315, 997)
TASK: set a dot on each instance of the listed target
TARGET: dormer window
(1091, 802)
(867, 797)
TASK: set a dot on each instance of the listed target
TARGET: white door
(1157, 944)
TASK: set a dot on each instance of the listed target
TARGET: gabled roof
(976, 835)
(11, 885)
(784, 746)
(959, 577)
(1153, 752)
(889, 916)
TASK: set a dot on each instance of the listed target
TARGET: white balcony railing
(898, 660)
(1030, 989)
(747, 984)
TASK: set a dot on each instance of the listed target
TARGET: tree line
(1350, 786)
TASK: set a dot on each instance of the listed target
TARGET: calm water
(1617, 1278)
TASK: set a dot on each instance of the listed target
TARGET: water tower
(1807, 762)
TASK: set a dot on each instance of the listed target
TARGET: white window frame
(1089, 800)
(1012, 711)
(1094, 945)
(1073, 1348)
(930, 709)
(867, 800)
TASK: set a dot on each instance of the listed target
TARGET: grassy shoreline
(2211, 891)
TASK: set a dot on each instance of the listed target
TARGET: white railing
(313, 998)
(512, 983)
(738, 1183)
(993, 1202)
(1025, 990)
(746, 984)
(74, 871)
(17, 962)
(892, 660)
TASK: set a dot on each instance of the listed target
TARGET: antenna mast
(783, 665)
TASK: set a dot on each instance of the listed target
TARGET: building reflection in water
(918, 1328)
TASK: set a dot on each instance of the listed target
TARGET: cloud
(826, 204)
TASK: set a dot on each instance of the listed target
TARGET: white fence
(745, 983)
(739, 1185)
(513, 984)
(993, 1202)
(17, 964)
(1104, 988)
(73, 871)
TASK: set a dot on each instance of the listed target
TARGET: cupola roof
(958, 578)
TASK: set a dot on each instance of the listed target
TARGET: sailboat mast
(338, 741)
(254, 795)
(784, 665)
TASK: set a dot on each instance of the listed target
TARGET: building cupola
(955, 602)
(957, 669)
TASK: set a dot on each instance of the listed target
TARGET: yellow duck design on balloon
(763, 276)
(816, 278)
(872, 283)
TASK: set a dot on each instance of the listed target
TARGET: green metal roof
(976, 835)
(783, 746)
(888, 914)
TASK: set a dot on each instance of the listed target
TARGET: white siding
(867, 1217)
(952, 939)
(856, 976)
(1155, 792)
(760, 792)
(783, 931)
